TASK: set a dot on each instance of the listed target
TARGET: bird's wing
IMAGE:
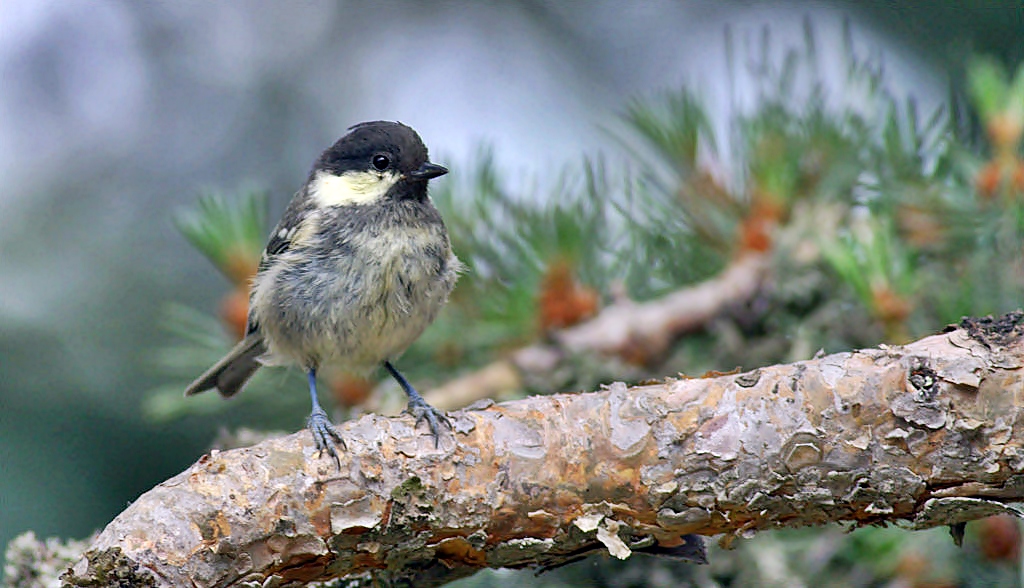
(295, 226)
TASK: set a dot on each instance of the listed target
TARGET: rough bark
(927, 434)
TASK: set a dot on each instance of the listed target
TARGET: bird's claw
(422, 411)
(325, 436)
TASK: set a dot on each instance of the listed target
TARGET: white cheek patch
(351, 187)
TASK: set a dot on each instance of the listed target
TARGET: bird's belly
(352, 315)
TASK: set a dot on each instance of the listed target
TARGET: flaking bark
(927, 434)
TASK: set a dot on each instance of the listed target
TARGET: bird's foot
(435, 418)
(325, 436)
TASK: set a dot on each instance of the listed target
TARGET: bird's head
(374, 161)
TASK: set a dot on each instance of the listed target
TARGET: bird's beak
(428, 171)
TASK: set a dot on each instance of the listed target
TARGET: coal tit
(359, 265)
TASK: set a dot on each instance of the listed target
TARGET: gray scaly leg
(325, 436)
(418, 407)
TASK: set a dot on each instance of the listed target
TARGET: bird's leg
(324, 433)
(418, 407)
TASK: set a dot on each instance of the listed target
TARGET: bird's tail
(232, 372)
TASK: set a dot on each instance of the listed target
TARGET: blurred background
(116, 117)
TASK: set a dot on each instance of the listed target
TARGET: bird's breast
(359, 304)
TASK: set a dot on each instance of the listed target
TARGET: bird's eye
(381, 162)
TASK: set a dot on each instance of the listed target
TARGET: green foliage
(992, 89)
(871, 259)
(675, 128)
(610, 230)
(230, 232)
(198, 337)
(199, 341)
(671, 194)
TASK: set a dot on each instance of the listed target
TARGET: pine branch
(625, 330)
(922, 434)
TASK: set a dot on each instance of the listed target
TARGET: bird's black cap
(400, 143)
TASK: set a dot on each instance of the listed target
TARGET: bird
(358, 266)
